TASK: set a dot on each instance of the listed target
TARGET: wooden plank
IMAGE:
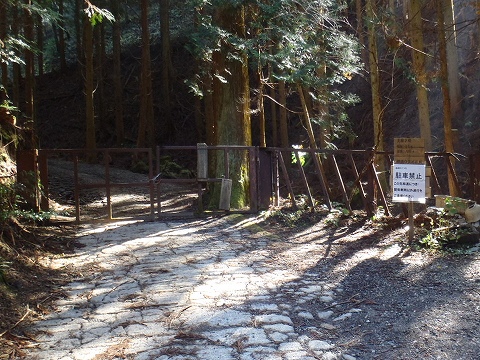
(409, 150)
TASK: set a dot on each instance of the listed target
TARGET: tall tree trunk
(455, 91)
(166, 66)
(418, 57)
(377, 113)
(447, 116)
(203, 108)
(117, 75)
(16, 69)
(78, 28)
(61, 37)
(360, 34)
(3, 35)
(233, 125)
(210, 133)
(146, 135)
(29, 65)
(282, 99)
(89, 87)
(273, 108)
(306, 115)
(322, 108)
(100, 59)
(40, 44)
(374, 80)
(261, 108)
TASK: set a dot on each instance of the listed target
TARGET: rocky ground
(235, 287)
(239, 288)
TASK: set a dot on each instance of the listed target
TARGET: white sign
(408, 183)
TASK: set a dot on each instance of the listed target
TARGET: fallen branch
(17, 323)
(352, 299)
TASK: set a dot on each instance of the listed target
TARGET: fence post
(202, 161)
(225, 194)
(253, 160)
(43, 173)
(27, 175)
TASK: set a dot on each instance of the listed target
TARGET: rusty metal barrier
(74, 154)
(340, 174)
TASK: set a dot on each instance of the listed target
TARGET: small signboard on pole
(408, 183)
(409, 150)
(409, 175)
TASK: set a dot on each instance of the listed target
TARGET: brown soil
(27, 288)
(414, 304)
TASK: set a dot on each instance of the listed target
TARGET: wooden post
(151, 185)
(287, 180)
(27, 175)
(43, 171)
(411, 225)
(106, 157)
(253, 165)
(157, 167)
(202, 161)
(77, 188)
(225, 194)
(276, 180)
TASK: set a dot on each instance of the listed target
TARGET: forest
(318, 75)
(313, 74)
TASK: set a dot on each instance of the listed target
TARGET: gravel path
(221, 289)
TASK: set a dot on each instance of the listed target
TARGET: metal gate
(331, 176)
(104, 158)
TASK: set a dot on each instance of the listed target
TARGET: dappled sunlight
(226, 285)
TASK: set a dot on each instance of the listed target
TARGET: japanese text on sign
(409, 150)
(408, 183)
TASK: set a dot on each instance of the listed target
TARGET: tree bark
(16, 69)
(29, 66)
(447, 116)
(210, 133)
(89, 87)
(78, 28)
(455, 91)
(40, 44)
(117, 75)
(100, 60)
(61, 37)
(146, 135)
(418, 59)
(273, 108)
(3, 35)
(374, 80)
(282, 99)
(360, 35)
(261, 109)
(167, 66)
(233, 125)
